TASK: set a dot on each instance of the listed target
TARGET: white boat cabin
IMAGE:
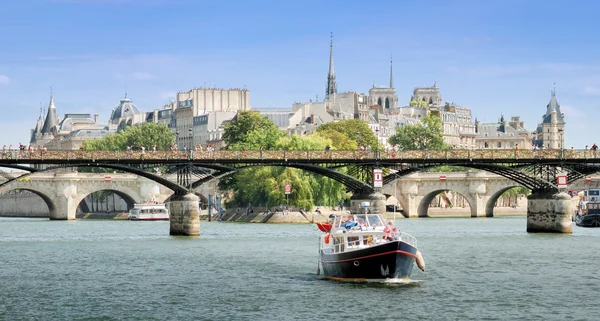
(149, 212)
(356, 231)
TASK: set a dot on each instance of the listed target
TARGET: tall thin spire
(391, 73)
(554, 89)
(331, 85)
(51, 119)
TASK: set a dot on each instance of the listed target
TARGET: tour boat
(149, 212)
(588, 214)
(354, 249)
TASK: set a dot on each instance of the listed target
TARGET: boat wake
(402, 281)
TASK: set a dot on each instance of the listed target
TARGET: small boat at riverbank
(588, 214)
(148, 212)
(356, 249)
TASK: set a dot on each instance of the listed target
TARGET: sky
(497, 57)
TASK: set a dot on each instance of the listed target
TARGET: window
(499, 144)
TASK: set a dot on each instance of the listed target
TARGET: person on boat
(350, 223)
(389, 231)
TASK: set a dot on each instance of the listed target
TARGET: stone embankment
(262, 215)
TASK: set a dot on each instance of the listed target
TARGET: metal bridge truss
(356, 175)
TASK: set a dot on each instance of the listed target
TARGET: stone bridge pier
(549, 212)
(185, 215)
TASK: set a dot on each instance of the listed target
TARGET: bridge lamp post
(395, 193)
(377, 143)
(191, 134)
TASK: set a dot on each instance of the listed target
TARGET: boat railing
(407, 238)
(361, 240)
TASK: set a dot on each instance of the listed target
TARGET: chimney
(95, 118)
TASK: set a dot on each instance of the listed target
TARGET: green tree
(339, 141)
(146, 134)
(308, 188)
(251, 130)
(355, 129)
(425, 135)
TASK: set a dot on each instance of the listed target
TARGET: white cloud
(591, 90)
(4, 80)
(142, 76)
(571, 111)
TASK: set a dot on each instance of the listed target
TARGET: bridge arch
(47, 195)
(390, 200)
(423, 208)
(489, 206)
(128, 195)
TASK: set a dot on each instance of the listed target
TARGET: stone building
(458, 128)
(504, 134)
(68, 133)
(205, 101)
(550, 132)
(429, 95)
(125, 114)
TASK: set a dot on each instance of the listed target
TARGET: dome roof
(125, 109)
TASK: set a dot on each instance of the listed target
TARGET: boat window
(337, 221)
(361, 219)
(375, 220)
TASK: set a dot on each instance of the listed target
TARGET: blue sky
(496, 57)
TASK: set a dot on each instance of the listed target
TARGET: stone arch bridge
(416, 191)
(62, 192)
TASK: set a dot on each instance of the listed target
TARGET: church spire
(51, 119)
(331, 85)
(391, 73)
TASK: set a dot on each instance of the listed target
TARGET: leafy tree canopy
(424, 135)
(308, 189)
(146, 134)
(251, 130)
(295, 142)
(354, 129)
(339, 141)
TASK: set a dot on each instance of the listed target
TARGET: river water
(477, 269)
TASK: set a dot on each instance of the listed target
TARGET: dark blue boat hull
(588, 220)
(383, 261)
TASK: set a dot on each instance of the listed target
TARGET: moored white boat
(149, 212)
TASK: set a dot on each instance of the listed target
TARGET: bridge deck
(224, 156)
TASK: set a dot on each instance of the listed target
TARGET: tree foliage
(308, 189)
(354, 129)
(146, 134)
(251, 130)
(418, 103)
(339, 141)
(427, 134)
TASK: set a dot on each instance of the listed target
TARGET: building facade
(504, 134)
(550, 133)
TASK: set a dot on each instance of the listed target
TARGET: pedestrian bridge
(537, 170)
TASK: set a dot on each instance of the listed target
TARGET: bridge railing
(301, 154)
